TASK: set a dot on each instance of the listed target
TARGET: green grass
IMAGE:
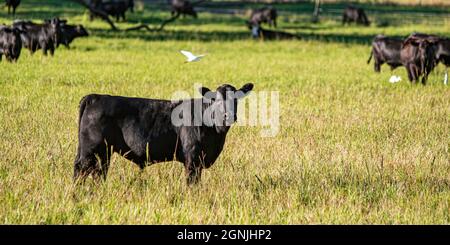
(352, 147)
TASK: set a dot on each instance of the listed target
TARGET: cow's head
(222, 109)
(81, 31)
(254, 27)
(190, 11)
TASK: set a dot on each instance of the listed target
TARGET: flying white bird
(395, 79)
(191, 57)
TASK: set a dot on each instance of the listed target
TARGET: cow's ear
(207, 93)
(244, 91)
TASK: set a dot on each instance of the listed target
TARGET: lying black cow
(12, 4)
(386, 50)
(264, 15)
(261, 33)
(146, 131)
(39, 36)
(116, 9)
(354, 14)
(182, 7)
(418, 55)
(10, 43)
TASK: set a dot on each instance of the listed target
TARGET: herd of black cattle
(142, 129)
(419, 53)
(34, 36)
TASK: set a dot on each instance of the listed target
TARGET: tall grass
(352, 147)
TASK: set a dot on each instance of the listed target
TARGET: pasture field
(352, 147)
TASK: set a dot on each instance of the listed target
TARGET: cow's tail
(86, 100)
(370, 57)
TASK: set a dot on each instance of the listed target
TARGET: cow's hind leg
(377, 65)
(102, 166)
(344, 19)
(83, 167)
(95, 165)
(409, 70)
(193, 171)
(92, 159)
(416, 73)
(424, 79)
(409, 74)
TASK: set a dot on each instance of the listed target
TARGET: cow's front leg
(44, 49)
(52, 50)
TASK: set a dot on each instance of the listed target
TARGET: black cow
(354, 14)
(183, 7)
(418, 55)
(443, 51)
(442, 47)
(10, 43)
(12, 4)
(386, 50)
(261, 33)
(39, 36)
(144, 131)
(69, 33)
(116, 9)
(264, 15)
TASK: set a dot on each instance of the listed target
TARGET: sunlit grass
(352, 147)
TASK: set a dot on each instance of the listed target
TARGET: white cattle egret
(446, 78)
(395, 79)
(191, 57)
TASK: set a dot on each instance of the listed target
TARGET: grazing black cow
(12, 4)
(259, 32)
(39, 36)
(264, 15)
(146, 131)
(418, 55)
(183, 7)
(10, 43)
(354, 14)
(386, 50)
(116, 9)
